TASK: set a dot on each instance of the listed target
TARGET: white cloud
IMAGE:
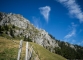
(74, 8)
(36, 22)
(72, 32)
(80, 43)
(73, 41)
(45, 11)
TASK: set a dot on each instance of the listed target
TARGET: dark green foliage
(8, 30)
(12, 33)
(0, 30)
(1, 14)
(3, 28)
(79, 52)
(13, 26)
(58, 51)
(27, 39)
(6, 27)
(51, 36)
(48, 42)
(64, 50)
(68, 52)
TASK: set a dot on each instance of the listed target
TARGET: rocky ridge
(22, 28)
(17, 27)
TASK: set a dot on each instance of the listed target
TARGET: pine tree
(12, 33)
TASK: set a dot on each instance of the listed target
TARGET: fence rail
(26, 57)
(28, 53)
(20, 49)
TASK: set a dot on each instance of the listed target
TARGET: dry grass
(44, 54)
(9, 49)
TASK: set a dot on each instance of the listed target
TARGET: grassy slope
(9, 51)
(44, 54)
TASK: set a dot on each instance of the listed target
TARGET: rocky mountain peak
(21, 27)
(15, 26)
(14, 19)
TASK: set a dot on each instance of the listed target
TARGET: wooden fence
(29, 51)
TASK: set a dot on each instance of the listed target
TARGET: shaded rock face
(20, 27)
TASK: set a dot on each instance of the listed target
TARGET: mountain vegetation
(9, 51)
(15, 26)
(68, 51)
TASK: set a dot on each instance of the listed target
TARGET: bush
(12, 33)
(27, 39)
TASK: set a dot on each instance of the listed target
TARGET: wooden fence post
(26, 57)
(20, 49)
(31, 50)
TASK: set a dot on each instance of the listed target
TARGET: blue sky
(61, 18)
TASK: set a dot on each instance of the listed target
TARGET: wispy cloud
(72, 32)
(74, 8)
(45, 11)
(73, 41)
(81, 30)
(80, 43)
(36, 22)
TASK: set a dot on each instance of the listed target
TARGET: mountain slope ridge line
(15, 26)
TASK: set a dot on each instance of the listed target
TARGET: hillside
(15, 26)
(9, 50)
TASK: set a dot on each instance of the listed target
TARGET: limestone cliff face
(14, 19)
(16, 26)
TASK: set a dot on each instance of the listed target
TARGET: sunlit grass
(9, 49)
(44, 54)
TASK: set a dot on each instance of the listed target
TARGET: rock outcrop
(18, 27)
